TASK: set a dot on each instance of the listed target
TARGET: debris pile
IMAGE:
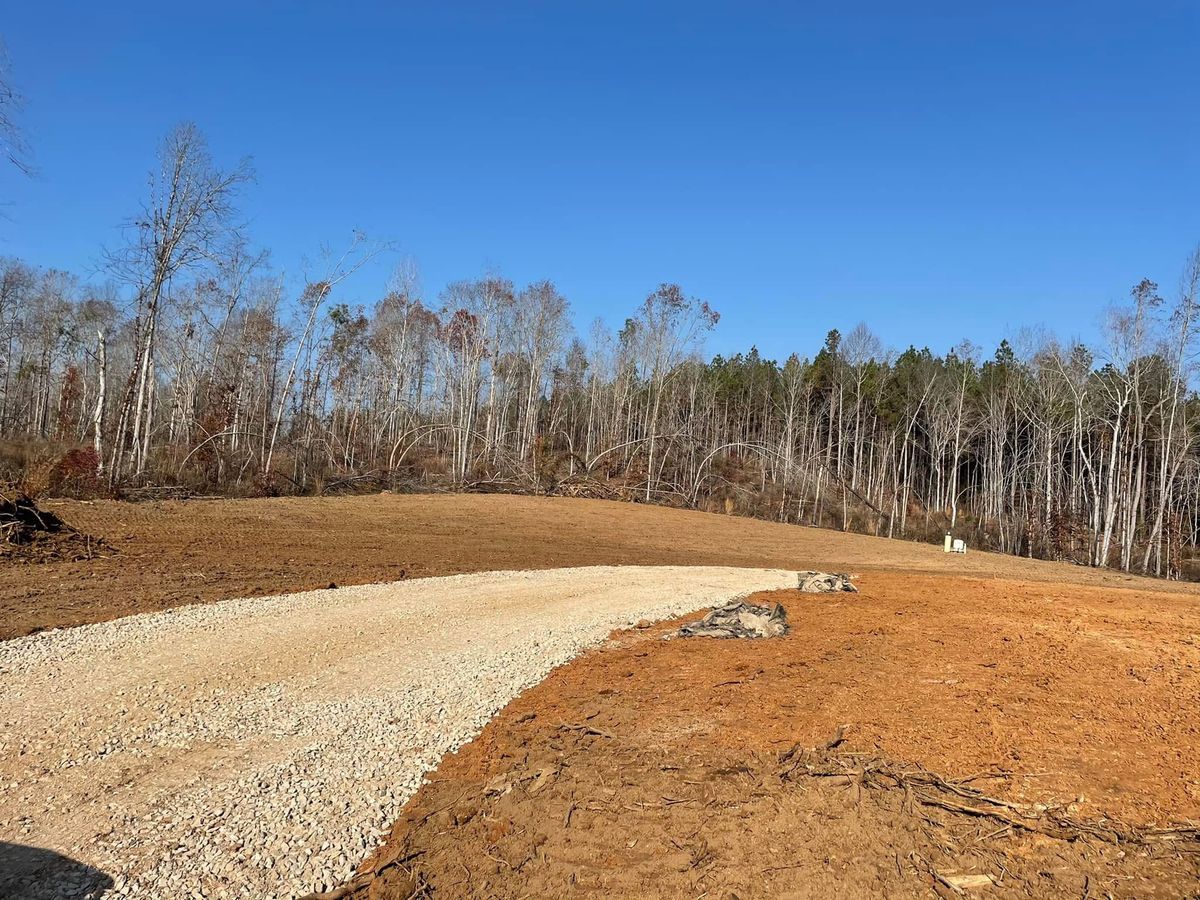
(589, 489)
(942, 795)
(38, 535)
(739, 619)
(822, 583)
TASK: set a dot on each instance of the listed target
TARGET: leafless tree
(13, 146)
(186, 220)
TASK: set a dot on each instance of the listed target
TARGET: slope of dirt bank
(652, 768)
(174, 553)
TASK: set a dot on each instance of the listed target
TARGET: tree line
(191, 363)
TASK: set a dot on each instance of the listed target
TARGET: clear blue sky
(939, 170)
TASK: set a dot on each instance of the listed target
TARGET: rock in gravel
(250, 748)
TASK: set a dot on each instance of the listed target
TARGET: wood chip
(969, 882)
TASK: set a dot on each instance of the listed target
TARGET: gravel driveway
(257, 748)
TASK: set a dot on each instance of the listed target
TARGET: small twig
(839, 737)
(586, 729)
(943, 880)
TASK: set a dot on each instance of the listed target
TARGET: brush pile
(31, 534)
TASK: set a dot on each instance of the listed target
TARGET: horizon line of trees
(192, 366)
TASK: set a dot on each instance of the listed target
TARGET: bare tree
(187, 218)
(541, 328)
(312, 299)
(13, 146)
(670, 325)
(1178, 437)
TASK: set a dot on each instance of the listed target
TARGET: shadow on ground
(34, 873)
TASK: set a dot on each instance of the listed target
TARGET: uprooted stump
(31, 534)
(822, 583)
(739, 619)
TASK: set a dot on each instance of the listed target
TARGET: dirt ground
(161, 555)
(155, 749)
(653, 768)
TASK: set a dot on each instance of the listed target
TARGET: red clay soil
(653, 768)
(161, 555)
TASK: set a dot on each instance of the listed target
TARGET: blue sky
(939, 170)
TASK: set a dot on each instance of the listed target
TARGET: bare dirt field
(653, 768)
(696, 767)
(175, 553)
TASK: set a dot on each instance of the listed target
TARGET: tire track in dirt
(259, 747)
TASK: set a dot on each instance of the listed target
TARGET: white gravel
(259, 748)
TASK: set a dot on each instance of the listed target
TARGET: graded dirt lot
(653, 768)
(661, 768)
(175, 553)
